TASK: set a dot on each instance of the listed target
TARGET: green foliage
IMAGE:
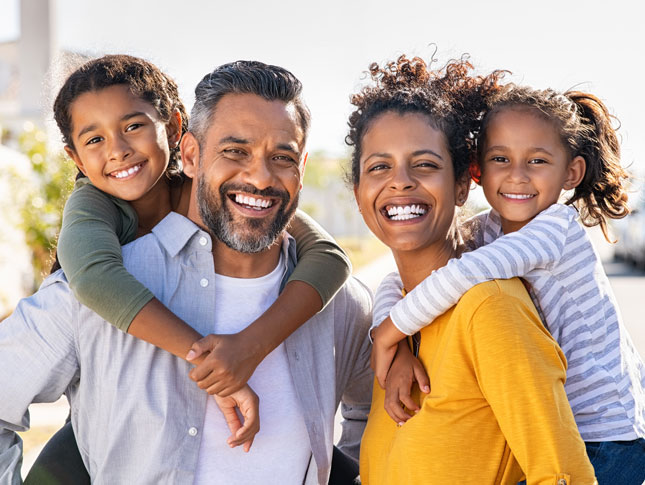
(41, 197)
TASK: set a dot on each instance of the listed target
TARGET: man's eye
(284, 158)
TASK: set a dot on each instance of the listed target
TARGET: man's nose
(259, 173)
(119, 148)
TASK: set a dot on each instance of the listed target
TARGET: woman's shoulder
(495, 295)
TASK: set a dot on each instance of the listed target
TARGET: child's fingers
(406, 399)
(393, 406)
(198, 348)
(421, 377)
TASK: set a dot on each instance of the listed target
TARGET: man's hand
(230, 362)
(405, 370)
(385, 337)
(248, 403)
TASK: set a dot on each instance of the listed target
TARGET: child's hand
(405, 370)
(248, 403)
(385, 337)
(231, 360)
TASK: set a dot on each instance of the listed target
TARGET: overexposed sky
(594, 45)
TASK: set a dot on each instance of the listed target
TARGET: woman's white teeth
(519, 196)
(124, 173)
(405, 212)
(252, 202)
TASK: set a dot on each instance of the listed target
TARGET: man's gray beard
(219, 220)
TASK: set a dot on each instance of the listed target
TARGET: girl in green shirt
(120, 105)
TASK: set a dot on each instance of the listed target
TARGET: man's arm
(37, 363)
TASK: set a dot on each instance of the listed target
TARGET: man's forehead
(254, 119)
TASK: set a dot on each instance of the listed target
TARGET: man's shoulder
(352, 306)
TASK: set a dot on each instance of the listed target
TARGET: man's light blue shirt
(136, 415)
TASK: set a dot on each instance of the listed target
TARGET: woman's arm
(521, 372)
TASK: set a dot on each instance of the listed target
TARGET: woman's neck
(152, 207)
(415, 266)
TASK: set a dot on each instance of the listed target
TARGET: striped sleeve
(539, 244)
(387, 294)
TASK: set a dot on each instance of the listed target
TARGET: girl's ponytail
(601, 193)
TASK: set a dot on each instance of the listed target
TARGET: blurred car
(630, 233)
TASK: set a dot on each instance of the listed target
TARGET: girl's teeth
(519, 196)
(124, 173)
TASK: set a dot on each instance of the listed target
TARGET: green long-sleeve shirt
(95, 225)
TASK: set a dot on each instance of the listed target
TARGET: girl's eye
(93, 140)
(499, 159)
(133, 126)
(536, 161)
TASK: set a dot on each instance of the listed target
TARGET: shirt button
(203, 282)
(192, 431)
(203, 241)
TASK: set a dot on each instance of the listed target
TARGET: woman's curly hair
(144, 80)
(451, 98)
(586, 129)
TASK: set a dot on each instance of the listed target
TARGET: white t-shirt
(281, 451)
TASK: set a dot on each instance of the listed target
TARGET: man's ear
(173, 129)
(190, 154)
(302, 168)
(71, 153)
(575, 173)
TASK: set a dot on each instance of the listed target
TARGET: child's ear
(575, 173)
(190, 154)
(71, 153)
(173, 129)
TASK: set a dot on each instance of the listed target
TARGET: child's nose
(119, 148)
(518, 173)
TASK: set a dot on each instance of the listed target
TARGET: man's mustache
(250, 189)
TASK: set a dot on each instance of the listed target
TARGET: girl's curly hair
(144, 80)
(451, 98)
(586, 129)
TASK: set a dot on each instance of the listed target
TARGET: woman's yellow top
(497, 410)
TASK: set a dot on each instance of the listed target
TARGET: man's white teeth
(252, 202)
(519, 196)
(405, 212)
(124, 173)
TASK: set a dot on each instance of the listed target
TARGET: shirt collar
(175, 231)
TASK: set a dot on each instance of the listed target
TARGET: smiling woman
(410, 135)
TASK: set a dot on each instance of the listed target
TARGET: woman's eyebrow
(427, 151)
(379, 154)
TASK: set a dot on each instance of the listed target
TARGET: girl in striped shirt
(532, 146)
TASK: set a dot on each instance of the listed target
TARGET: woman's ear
(462, 187)
(71, 153)
(190, 154)
(575, 173)
(356, 198)
(173, 129)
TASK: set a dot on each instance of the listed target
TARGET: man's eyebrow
(234, 139)
(288, 147)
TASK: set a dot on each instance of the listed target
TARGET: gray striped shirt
(605, 376)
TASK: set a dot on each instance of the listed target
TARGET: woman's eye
(377, 167)
(426, 164)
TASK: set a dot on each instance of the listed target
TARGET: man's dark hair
(273, 83)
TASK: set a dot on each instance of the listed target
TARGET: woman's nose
(402, 179)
